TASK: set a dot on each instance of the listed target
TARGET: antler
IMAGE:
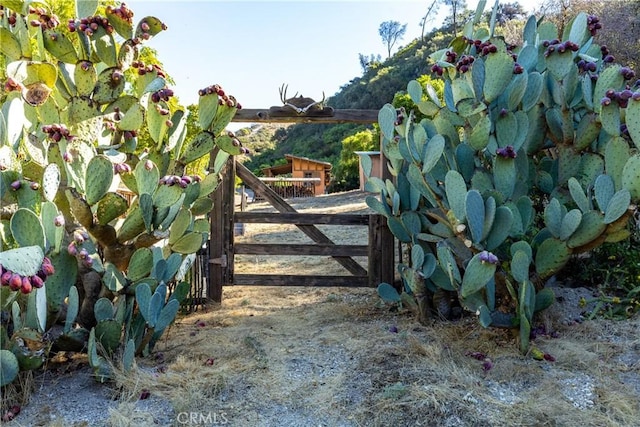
(297, 109)
(320, 103)
(283, 93)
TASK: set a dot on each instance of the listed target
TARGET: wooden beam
(258, 115)
(281, 205)
(300, 218)
(281, 280)
(299, 249)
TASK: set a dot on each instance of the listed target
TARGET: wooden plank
(221, 241)
(299, 249)
(381, 261)
(300, 218)
(293, 280)
(281, 205)
(257, 115)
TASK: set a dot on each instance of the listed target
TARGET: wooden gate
(222, 249)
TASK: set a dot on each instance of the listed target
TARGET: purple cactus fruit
(591, 66)
(165, 179)
(183, 183)
(486, 256)
(507, 152)
(148, 165)
(168, 123)
(37, 282)
(83, 254)
(87, 262)
(78, 238)
(47, 268)
(58, 221)
(636, 96)
(26, 287)
(626, 94)
(187, 178)
(15, 282)
(34, 186)
(5, 278)
(16, 185)
(196, 178)
(72, 249)
(608, 59)
(144, 26)
(67, 157)
(605, 101)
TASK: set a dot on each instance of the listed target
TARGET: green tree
(432, 10)
(456, 6)
(346, 174)
(391, 32)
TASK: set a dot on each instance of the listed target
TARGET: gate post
(381, 254)
(221, 237)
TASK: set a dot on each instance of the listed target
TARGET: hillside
(376, 87)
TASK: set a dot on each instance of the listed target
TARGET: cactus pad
(501, 227)
(110, 207)
(501, 66)
(520, 266)
(388, 293)
(456, 190)
(25, 261)
(9, 367)
(551, 256)
(631, 177)
(188, 244)
(9, 46)
(85, 77)
(147, 177)
(570, 223)
(632, 120)
(504, 175)
(59, 45)
(132, 225)
(98, 178)
(26, 228)
(617, 206)
(108, 334)
(140, 264)
(180, 225)
(475, 211)
(476, 275)
(200, 145)
(604, 190)
(202, 206)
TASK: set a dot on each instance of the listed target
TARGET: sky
(251, 48)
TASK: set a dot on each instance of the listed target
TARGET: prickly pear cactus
(75, 98)
(545, 130)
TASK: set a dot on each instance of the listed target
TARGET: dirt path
(302, 356)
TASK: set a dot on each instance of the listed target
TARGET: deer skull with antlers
(300, 104)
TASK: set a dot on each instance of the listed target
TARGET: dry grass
(303, 356)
